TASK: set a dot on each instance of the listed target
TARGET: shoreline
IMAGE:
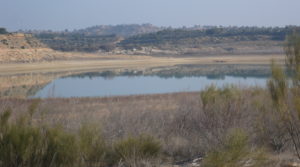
(140, 62)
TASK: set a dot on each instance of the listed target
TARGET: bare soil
(126, 61)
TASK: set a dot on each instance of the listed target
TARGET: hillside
(92, 39)
(182, 42)
(19, 41)
(212, 35)
(210, 41)
(23, 48)
(150, 40)
(124, 30)
(79, 42)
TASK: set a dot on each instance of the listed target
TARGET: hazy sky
(75, 14)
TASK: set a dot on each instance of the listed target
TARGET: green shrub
(235, 152)
(93, 148)
(278, 86)
(20, 144)
(4, 117)
(212, 95)
(209, 95)
(285, 94)
(25, 145)
(221, 111)
(61, 148)
(133, 150)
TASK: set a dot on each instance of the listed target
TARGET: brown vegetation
(186, 124)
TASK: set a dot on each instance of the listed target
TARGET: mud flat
(139, 62)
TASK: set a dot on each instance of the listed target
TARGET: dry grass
(188, 125)
(178, 119)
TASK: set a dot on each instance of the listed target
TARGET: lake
(99, 86)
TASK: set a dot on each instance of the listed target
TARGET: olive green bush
(235, 152)
(221, 111)
(20, 144)
(27, 143)
(134, 150)
(285, 95)
(23, 144)
(93, 148)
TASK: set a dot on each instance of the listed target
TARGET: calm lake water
(86, 86)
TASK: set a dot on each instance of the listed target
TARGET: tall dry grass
(187, 125)
(26, 142)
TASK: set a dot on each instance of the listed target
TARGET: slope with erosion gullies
(23, 48)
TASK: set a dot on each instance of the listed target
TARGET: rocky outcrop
(21, 48)
(19, 41)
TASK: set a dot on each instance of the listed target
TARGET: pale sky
(76, 14)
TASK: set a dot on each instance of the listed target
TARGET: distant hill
(124, 30)
(210, 41)
(210, 35)
(79, 42)
(152, 40)
(91, 39)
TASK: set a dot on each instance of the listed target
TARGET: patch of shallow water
(99, 86)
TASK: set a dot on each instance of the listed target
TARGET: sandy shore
(132, 62)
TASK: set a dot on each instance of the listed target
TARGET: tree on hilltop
(3, 31)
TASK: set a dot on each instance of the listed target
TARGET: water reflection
(131, 81)
(87, 86)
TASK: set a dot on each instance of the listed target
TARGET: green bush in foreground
(20, 144)
(235, 153)
(93, 148)
(285, 95)
(133, 150)
(61, 148)
(25, 145)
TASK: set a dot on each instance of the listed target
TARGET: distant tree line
(92, 39)
(124, 30)
(3, 31)
(183, 36)
(78, 41)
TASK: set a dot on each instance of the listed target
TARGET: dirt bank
(129, 62)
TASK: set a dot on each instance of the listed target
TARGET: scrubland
(179, 127)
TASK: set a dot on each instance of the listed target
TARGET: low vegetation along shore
(221, 126)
